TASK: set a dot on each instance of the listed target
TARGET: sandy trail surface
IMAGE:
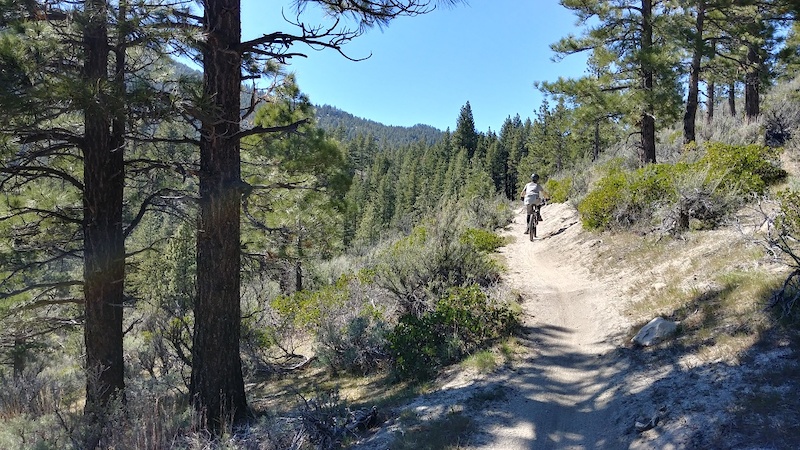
(561, 390)
(558, 395)
(574, 381)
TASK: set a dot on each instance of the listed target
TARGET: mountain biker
(533, 196)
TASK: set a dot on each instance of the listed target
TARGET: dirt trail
(574, 382)
(558, 394)
(561, 391)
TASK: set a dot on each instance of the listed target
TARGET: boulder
(654, 332)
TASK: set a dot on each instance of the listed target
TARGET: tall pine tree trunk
(298, 264)
(732, 98)
(217, 384)
(104, 243)
(596, 143)
(694, 77)
(711, 98)
(648, 123)
(752, 84)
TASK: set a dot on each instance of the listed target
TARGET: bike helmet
(534, 177)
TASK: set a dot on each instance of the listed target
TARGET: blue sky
(424, 69)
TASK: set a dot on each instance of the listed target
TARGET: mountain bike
(533, 221)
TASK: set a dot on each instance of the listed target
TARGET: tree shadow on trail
(691, 405)
(565, 397)
(559, 231)
(559, 397)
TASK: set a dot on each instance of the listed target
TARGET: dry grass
(280, 394)
(715, 283)
(502, 354)
(448, 433)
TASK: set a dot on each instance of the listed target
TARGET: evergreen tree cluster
(395, 186)
(345, 127)
(649, 59)
(140, 199)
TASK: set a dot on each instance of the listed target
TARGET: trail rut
(559, 392)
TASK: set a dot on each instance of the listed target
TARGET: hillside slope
(348, 127)
(576, 382)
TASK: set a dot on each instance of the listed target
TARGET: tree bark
(694, 77)
(596, 143)
(648, 123)
(752, 84)
(104, 243)
(298, 264)
(19, 357)
(217, 384)
(732, 98)
(711, 98)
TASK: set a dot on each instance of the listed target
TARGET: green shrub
(344, 317)
(482, 240)
(652, 184)
(598, 207)
(700, 204)
(789, 219)
(786, 234)
(487, 213)
(705, 190)
(559, 190)
(464, 320)
(307, 308)
(419, 269)
(748, 167)
(783, 239)
(359, 348)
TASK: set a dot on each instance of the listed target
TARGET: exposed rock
(654, 332)
(644, 425)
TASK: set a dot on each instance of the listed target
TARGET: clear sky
(423, 69)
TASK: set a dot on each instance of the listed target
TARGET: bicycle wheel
(532, 231)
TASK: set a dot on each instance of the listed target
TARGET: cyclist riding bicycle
(533, 195)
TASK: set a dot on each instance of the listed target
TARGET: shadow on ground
(692, 406)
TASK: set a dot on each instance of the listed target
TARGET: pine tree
(512, 142)
(296, 185)
(466, 136)
(407, 188)
(497, 162)
(217, 387)
(789, 56)
(630, 42)
(69, 111)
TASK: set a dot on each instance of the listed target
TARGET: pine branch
(290, 128)
(37, 286)
(146, 205)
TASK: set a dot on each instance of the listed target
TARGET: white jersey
(533, 194)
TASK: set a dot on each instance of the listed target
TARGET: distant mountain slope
(337, 122)
(347, 126)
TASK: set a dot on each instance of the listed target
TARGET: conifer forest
(181, 225)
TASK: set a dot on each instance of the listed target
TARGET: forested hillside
(175, 246)
(345, 127)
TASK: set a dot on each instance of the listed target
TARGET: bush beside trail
(393, 312)
(675, 197)
(463, 321)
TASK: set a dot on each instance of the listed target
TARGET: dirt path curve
(558, 396)
(562, 390)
